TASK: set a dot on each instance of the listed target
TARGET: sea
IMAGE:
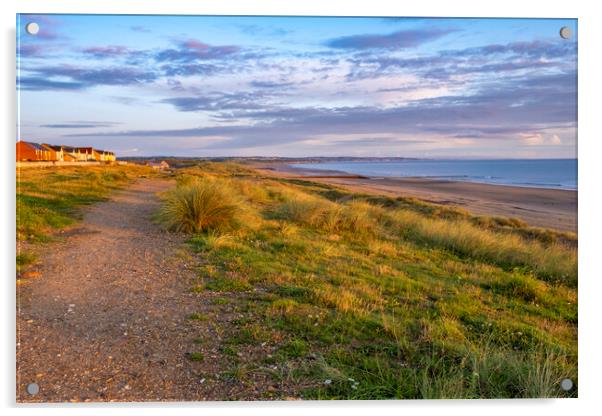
(535, 173)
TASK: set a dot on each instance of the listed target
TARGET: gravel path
(106, 320)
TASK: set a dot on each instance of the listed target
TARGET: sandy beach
(539, 207)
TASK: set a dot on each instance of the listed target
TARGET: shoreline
(313, 172)
(539, 207)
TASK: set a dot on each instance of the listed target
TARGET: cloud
(270, 84)
(30, 50)
(106, 51)
(536, 48)
(80, 77)
(492, 113)
(402, 39)
(538, 139)
(216, 102)
(140, 29)
(40, 84)
(378, 141)
(191, 69)
(80, 125)
(258, 30)
(193, 50)
(486, 59)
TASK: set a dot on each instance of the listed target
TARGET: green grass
(552, 261)
(294, 348)
(196, 316)
(197, 356)
(50, 199)
(24, 259)
(388, 297)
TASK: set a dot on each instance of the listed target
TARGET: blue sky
(300, 86)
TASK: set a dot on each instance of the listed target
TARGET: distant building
(163, 165)
(86, 153)
(74, 154)
(110, 157)
(97, 154)
(58, 151)
(34, 151)
(104, 156)
(30, 151)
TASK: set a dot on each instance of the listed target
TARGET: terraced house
(58, 151)
(104, 156)
(34, 151)
(30, 151)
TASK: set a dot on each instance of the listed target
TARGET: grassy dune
(370, 297)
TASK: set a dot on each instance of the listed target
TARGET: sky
(299, 86)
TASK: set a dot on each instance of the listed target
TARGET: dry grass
(360, 218)
(555, 261)
(200, 204)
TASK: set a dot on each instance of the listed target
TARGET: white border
(590, 276)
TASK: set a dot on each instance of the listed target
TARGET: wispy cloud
(271, 84)
(31, 50)
(524, 106)
(258, 30)
(191, 69)
(402, 39)
(141, 29)
(41, 84)
(192, 50)
(81, 77)
(103, 52)
(509, 57)
(537, 48)
(80, 125)
(217, 102)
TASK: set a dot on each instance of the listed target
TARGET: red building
(34, 151)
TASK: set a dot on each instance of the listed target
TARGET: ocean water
(536, 173)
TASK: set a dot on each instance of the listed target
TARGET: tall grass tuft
(359, 218)
(200, 204)
(554, 262)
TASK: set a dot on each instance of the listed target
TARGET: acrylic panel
(277, 208)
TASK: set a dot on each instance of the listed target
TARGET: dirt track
(106, 320)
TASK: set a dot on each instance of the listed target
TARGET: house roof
(36, 146)
(85, 149)
(53, 147)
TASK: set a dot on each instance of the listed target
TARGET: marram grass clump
(356, 217)
(555, 262)
(200, 204)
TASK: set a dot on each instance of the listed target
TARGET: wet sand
(539, 207)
